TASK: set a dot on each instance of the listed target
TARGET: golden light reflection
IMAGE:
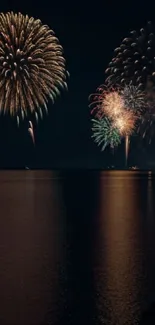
(31, 246)
(119, 269)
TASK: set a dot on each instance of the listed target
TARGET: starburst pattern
(113, 104)
(134, 59)
(104, 133)
(134, 99)
(32, 67)
(106, 101)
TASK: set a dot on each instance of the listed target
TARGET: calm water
(77, 247)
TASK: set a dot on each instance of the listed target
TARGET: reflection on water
(76, 248)
(31, 247)
(120, 274)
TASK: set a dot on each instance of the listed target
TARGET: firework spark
(32, 67)
(104, 133)
(125, 123)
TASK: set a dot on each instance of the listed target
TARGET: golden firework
(113, 104)
(32, 67)
(125, 123)
(106, 102)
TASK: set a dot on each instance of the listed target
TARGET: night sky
(88, 32)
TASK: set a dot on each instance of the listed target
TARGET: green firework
(104, 133)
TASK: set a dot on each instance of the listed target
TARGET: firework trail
(127, 144)
(31, 132)
(32, 67)
(125, 123)
(135, 102)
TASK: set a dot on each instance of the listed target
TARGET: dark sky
(88, 31)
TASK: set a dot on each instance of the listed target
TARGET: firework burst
(134, 60)
(125, 123)
(96, 101)
(133, 65)
(106, 101)
(128, 97)
(104, 133)
(134, 99)
(32, 67)
(113, 105)
(115, 117)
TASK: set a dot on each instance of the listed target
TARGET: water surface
(76, 247)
